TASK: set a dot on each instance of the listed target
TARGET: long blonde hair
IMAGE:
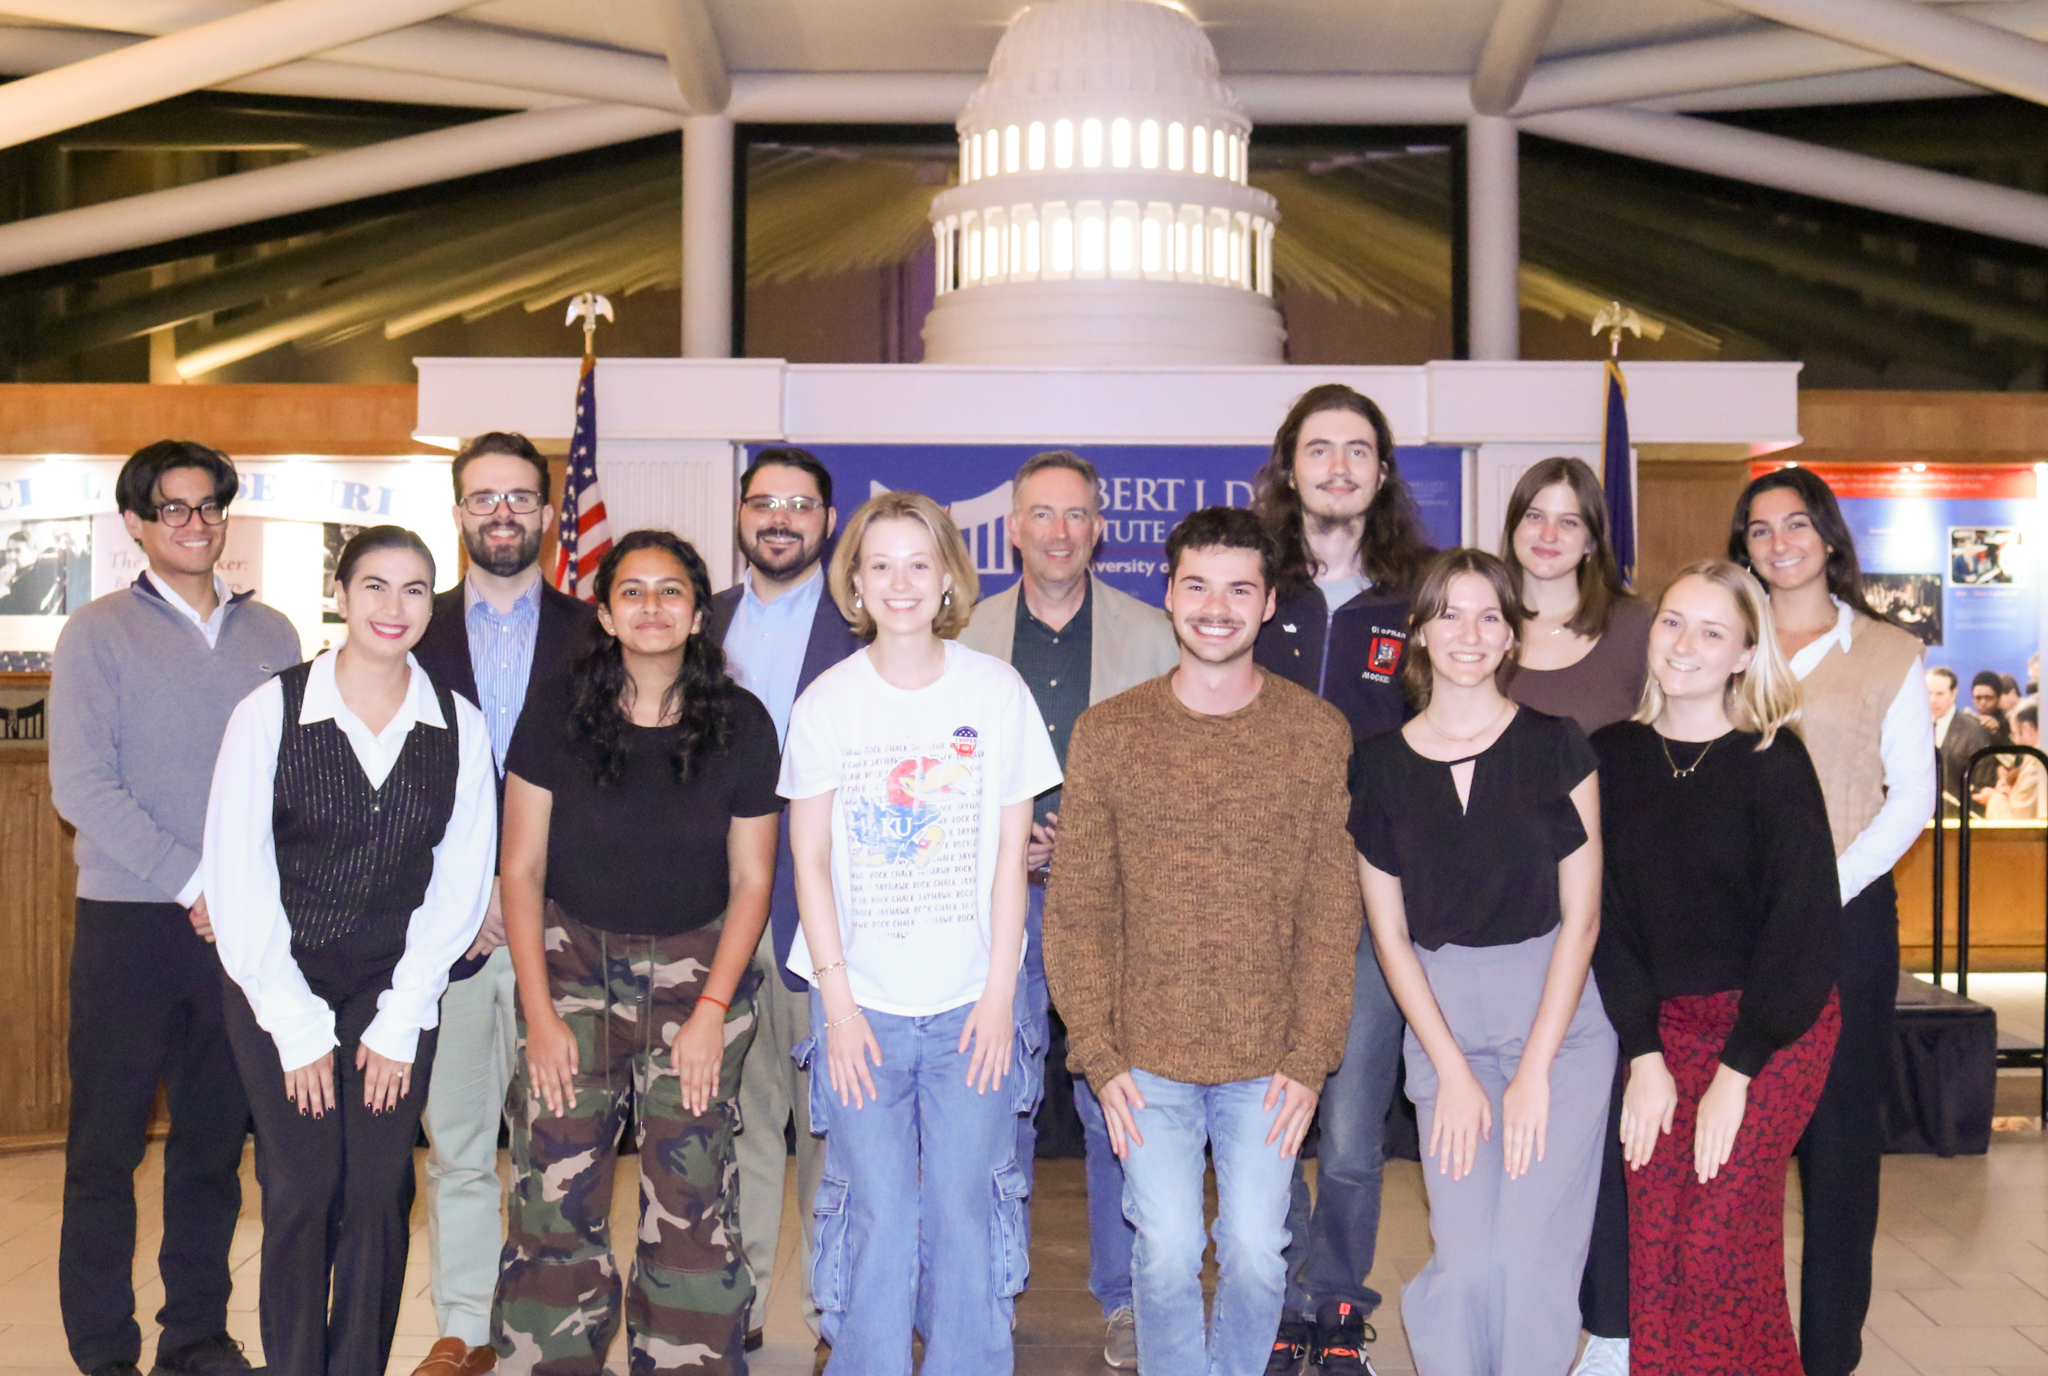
(1766, 697)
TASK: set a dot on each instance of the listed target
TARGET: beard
(502, 561)
(782, 563)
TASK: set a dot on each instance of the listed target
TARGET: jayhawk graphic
(904, 827)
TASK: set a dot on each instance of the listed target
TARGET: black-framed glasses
(767, 506)
(523, 502)
(177, 514)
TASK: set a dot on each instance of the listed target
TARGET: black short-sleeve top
(645, 855)
(1484, 874)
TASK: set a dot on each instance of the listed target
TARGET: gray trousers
(1500, 1295)
(772, 1090)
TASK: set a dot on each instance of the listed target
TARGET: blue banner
(1146, 489)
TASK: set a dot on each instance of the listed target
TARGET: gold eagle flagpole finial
(587, 308)
(1612, 319)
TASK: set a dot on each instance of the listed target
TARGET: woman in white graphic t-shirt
(910, 769)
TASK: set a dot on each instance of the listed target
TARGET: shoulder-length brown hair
(1433, 595)
(955, 611)
(1844, 573)
(1600, 583)
(1393, 548)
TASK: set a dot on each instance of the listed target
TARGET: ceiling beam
(282, 31)
(581, 71)
(1805, 169)
(1738, 60)
(1874, 86)
(1923, 35)
(1520, 28)
(695, 59)
(160, 216)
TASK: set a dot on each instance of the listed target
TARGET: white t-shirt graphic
(919, 779)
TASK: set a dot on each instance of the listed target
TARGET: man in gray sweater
(145, 680)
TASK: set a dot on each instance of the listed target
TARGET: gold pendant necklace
(1687, 772)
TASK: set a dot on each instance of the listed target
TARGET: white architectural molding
(637, 398)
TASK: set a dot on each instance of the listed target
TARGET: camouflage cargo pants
(686, 1301)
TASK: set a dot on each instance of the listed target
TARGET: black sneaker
(1339, 1348)
(117, 1369)
(219, 1355)
(1290, 1346)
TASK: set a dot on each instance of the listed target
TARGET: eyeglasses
(523, 503)
(176, 514)
(768, 506)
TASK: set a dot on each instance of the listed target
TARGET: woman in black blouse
(1477, 825)
(640, 821)
(1717, 960)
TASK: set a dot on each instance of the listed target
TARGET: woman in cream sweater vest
(1868, 726)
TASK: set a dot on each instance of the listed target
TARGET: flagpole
(1617, 470)
(583, 534)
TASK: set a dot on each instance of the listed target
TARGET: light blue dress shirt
(501, 653)
(765, 644)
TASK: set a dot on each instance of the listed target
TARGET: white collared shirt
(239, 863)
(209, 626)
(1906, 746)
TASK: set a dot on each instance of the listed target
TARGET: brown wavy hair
(1433, 595)
(1392, 550)
(1600, 584)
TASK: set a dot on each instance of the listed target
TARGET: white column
(1493, 238)
(707, 236)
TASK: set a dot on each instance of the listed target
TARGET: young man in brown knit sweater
(1200, 926)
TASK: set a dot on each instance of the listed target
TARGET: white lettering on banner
(984, 524)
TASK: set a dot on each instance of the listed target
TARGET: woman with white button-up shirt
(348, 858)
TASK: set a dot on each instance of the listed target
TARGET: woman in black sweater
(1716, 958)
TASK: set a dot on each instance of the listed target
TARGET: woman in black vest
(349, 840)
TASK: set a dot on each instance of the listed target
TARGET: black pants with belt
(337, 1195)
(146, 1007)
(1843, 1149)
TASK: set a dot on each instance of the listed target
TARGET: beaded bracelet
(828, 969)
(845, 1020)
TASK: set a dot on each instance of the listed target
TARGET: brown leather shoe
(454, 1357)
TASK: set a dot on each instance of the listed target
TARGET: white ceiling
(1366, 36)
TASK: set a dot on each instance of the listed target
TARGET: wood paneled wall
(35, 932)
(1682, 510)
(119, 418)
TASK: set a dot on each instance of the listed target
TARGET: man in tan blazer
(1075, 640)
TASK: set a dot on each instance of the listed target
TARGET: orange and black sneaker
(1290, 1346)
(1339, 1346)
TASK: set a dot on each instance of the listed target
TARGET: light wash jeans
(1163, 1198)
(920, 1217)
(465, 1102)
(1034, 1005)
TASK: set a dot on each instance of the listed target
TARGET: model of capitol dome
(1103, 214)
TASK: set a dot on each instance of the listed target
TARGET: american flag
(585, 535)
(1615, 476)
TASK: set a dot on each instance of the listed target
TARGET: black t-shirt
(645, 855)
(1486, 874)
(1724, 879)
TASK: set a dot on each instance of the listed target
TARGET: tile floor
(1962, 1264)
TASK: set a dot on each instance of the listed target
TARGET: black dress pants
(146, 1007)
(337, 1196)
(1843, 1149)
(1603, 1288)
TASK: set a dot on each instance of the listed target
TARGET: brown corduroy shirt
(1203, 914)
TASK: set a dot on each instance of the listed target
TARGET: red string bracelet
(706, 998)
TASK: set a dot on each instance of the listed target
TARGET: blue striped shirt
(501, 654)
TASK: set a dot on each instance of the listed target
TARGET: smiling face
(651, 610)
(1784, 546)
(1217, 600)
(1698, 641)
(899, 577)
(503, 542)
(1336, 465)
(1055, 525)
(190, 550)
(1470, 637)
(387, 600)
(783, 543)
(1551, 539)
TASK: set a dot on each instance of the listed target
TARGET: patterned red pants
(1707, 1262)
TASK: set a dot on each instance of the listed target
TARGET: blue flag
(1615, 478)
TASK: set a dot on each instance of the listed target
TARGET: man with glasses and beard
(780, 632)
(492, 637)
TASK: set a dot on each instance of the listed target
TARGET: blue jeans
(1163, 1199)
(1110, 1234)
(1331, 1252)
(1034, 1025)
(920, 1216)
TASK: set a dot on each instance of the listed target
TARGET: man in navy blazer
(493, 636)
(780, 630)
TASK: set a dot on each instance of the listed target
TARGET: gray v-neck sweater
(138, 705)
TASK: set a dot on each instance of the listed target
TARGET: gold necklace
(1687, 772)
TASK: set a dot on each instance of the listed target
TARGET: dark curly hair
(700, 699)
(1393, 548)
(1844, 573)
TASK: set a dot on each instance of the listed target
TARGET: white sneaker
(1603, 1357)
(1120, 1342)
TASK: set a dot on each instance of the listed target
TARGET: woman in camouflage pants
(640, 824)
